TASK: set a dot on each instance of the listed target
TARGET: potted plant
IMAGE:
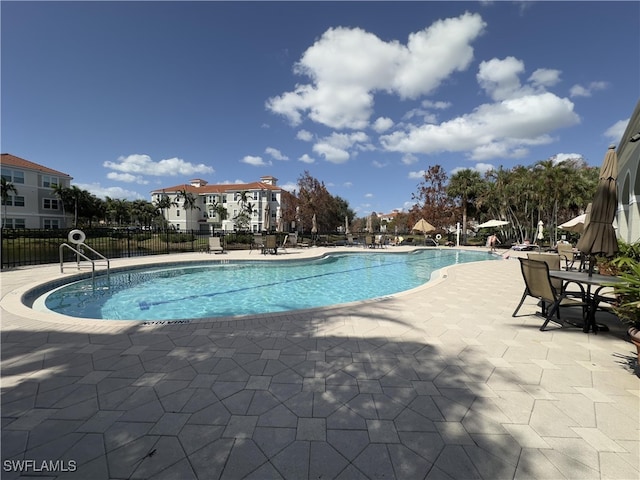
(628, 294)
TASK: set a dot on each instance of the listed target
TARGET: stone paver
(439, 382)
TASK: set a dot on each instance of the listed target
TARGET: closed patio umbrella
(599, 237)
(266, 222)
(346, 225)
(369, 224)
(314, 224)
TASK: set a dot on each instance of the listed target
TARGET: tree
(464, 185)
(164, 203)
(189, 200)
(432, 202)
(315, 199)
(7, 188)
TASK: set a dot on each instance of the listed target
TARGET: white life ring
(438, 237)
(77, 236)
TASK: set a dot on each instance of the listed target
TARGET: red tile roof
(220, 188)
(13, 161)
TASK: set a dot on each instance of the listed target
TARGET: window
(178, 212)
(49, 182)
(51, 224)
(256, 195)
(50, 204)
(13, 176)
(273, 197)
(13, 222)
(14, 201)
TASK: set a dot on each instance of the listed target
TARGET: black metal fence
(34, 247)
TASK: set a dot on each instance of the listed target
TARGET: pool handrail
(79, 253)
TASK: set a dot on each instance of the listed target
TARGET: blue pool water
(224, 289)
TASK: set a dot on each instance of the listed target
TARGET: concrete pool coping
(444, 385)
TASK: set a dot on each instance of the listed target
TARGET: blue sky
(128, 97)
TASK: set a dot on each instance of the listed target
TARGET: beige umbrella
(370, 223)
(314, 224)
(599, 237)
(346, 225)
(266, 222)
(423, 226)
(279, 220)
(493, 223)
(575, 225)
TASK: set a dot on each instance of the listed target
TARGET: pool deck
(439, 382)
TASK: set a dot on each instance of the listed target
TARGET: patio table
(595, 280)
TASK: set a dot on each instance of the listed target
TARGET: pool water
(227, 289)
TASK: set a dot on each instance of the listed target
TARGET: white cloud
(127, 178)
(112, 192)
(255, 161)
(275, 154)
(502, 129)
(344, 80)
(337, 147)
(614, 132)
(368, 195)
(382, 124)
(409, 159)
(144, 165)
(289, 186)
(478, 167)
(306, 159)
(500, 78)
(561, 157)
(304, 135)
(582, 91)
(347, 184)
(378, 164)
(545, 77)
(331, 153)
(419, 174)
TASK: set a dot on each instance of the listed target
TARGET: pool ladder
(79, 251)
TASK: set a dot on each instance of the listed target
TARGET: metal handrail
(79, 254)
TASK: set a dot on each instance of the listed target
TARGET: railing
(80, 254)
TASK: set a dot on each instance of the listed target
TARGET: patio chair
(215, 246)
(270, 245)
(538, 284)
(350, 240)
(568, 254)
(283, 247)
(257, 243)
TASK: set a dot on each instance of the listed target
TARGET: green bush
(180, 237)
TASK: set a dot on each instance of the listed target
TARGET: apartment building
(34, 204)
(268, 202)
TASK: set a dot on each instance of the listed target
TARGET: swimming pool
(225, 288)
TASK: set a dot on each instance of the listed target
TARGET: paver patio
(439, 382)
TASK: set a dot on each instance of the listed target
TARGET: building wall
(628, 217)
(205, 219)
(35, 205)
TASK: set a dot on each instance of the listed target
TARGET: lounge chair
(215, 246)
(538, 284)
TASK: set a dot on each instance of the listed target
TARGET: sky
(131, 97)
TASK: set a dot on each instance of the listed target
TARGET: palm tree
(164, 203)
(465, 185)
(7, 188)
(189, 200)
(62, 193)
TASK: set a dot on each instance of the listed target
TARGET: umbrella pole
(592, 261)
